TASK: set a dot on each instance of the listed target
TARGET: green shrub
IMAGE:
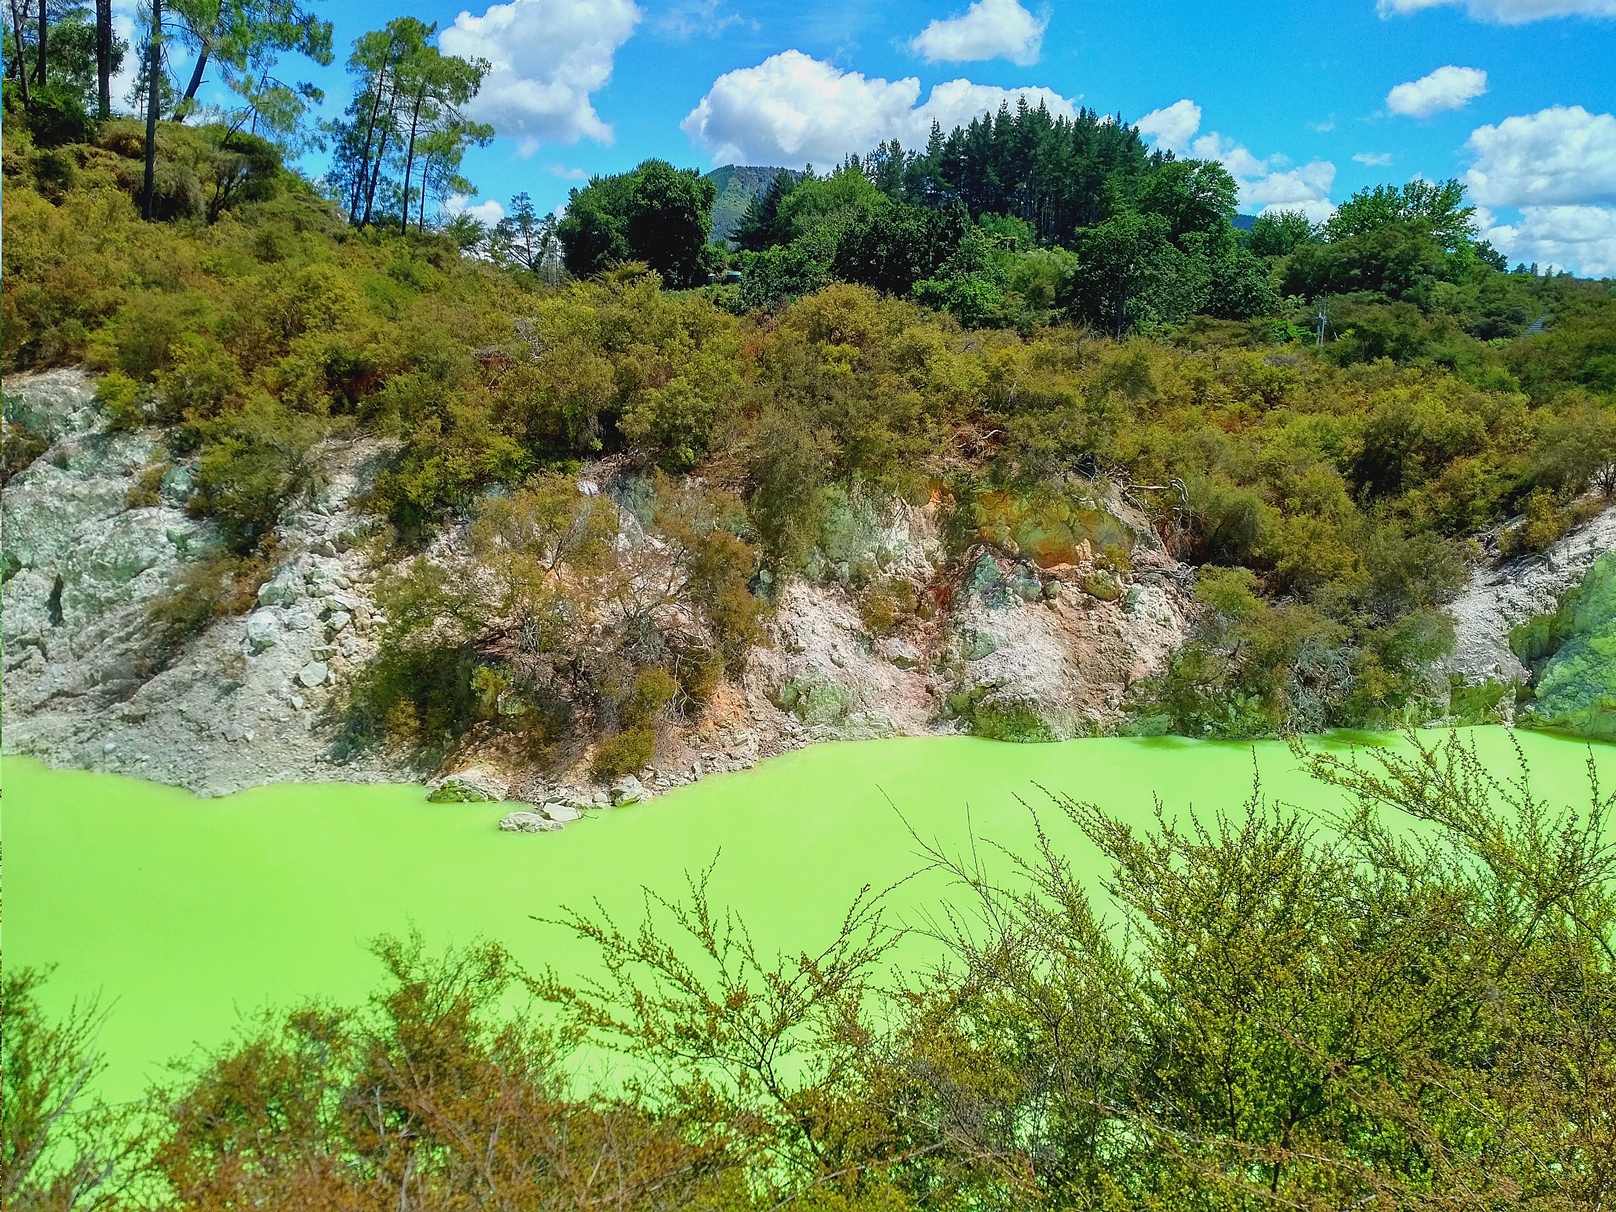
(624, 752)
(128, 404)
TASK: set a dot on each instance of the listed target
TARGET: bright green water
(186, 914)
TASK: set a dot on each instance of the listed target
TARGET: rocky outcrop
(1031, 634)
(1006, 645)
(238, 704)
(1504, 594)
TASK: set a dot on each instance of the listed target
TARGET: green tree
(1192, 195)
(759, 226)
(1436, 208)
(243, 39)
(656, 214)
(525, 239)
(1129, 272)
(667, 218)
(431, 90)
(1280, 233)
(370, 126)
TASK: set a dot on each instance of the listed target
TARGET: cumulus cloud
(1556, 157)
(1172, 126)
(1374, 159)
(1557, 167)
(1446, 88)
(989, 29)
(548, 56)
(1266, 182)
(1579, 238)
(793, 109)
(487, 213)
(1507, 12)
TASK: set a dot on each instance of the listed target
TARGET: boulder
(561, 811)
(263, 630)
(627, 790)
(473, 785)
(528, 822)
(280, 591)
(902, 653)
(315, 673)
(175, 487)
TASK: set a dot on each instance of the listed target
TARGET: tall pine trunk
(375, 178)
(43, 31)
(196, 82)
(154, 69)
(409, 161)
(426, 167)
(103, 58)
(370, 130)
(20, 63)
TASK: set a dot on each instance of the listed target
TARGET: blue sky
(1303, 103)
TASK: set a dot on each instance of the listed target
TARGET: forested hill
(735, 186)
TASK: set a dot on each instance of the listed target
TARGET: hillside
(736, 185)
(325, 498)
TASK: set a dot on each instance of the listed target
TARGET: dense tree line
(1412, 1008)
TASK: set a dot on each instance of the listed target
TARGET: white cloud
(955, 102)
(1508, 12)
(1374, 159)
(989, 29)
(1446, 88)
(487, 213)
(1579, 238)
(1306, 189)
(1562, 156)
(793, 109)
(565, 173)
(548, 56)
(1233, 156)
(1265, 182)
(1172, 126)
(123, 81)
(704, 17)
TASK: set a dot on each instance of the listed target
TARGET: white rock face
(1012, 638)
(1502, 596)
(258, 698)
(86, 683)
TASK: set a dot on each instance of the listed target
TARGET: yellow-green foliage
(1349, 489)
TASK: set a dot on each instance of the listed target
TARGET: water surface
(186, 914)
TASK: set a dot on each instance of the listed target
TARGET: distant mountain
(737, 185)
(1244, 222)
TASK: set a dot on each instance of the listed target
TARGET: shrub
(624, 752)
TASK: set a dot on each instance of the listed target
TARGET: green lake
(185, 915)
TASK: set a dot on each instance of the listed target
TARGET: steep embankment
(1509, 593)
(1033, 636)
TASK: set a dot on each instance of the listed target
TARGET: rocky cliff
(1026, 641)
